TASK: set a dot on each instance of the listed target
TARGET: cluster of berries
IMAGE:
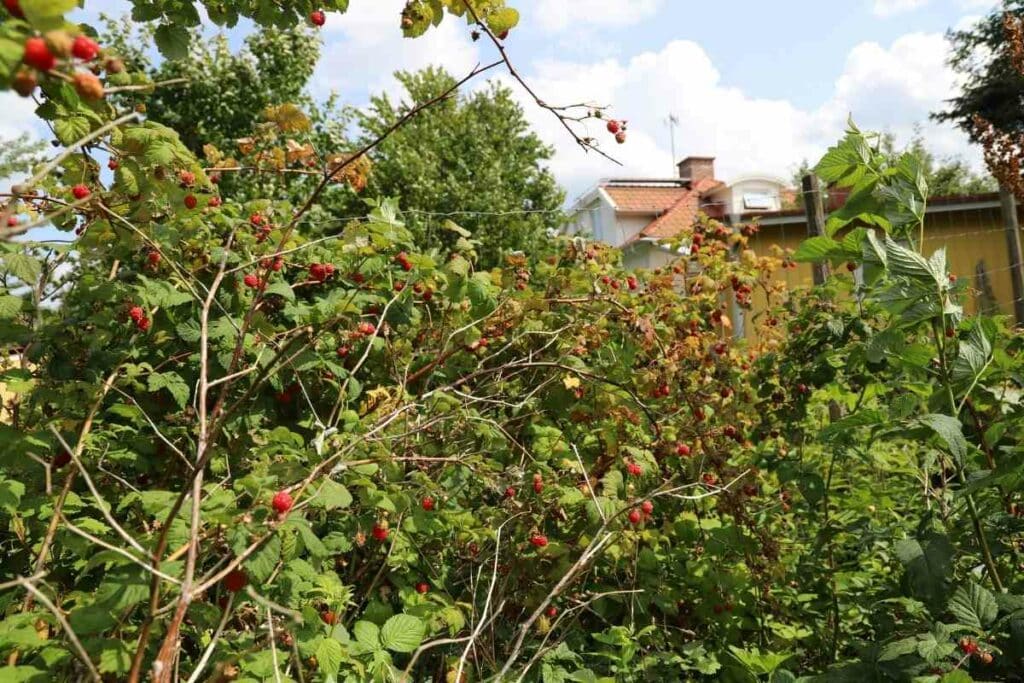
(139, 317)
(618, 129)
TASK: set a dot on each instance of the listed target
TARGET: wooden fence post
(1012, 227)
(815, 212)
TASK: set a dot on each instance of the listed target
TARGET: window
(758, 201)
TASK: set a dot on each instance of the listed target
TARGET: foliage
(474, 152)
(992, 84)
(18, 155)
(240, 444)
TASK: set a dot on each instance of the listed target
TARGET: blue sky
(759, 85)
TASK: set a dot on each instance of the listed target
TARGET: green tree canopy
(992, 87)
(475, 154)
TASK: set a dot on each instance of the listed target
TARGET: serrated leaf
(172, 40)
(330, 496)
(172, 382)
(402, 633)
(949, 430)
(367, 634)
(974, 606)
(282, 289)
(329, 655)
(23, 266)
(10, 306)
(71, 129)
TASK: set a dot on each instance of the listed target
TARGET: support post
(815, 212)
(1013, 251)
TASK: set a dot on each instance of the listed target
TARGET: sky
(760, 86)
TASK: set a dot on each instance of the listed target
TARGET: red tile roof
(645, 199)
(682, 214)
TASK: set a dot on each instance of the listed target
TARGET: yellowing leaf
(287, 117)
(571, 382)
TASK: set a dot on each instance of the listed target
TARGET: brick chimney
(697, 168)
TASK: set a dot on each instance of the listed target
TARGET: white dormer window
(758, 201)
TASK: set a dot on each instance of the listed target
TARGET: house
(638, 214)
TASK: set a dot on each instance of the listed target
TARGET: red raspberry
(85, 48)
(635, 516)
(190, 201)
(380, 532)
(38, 55)
(14, 7)
(510, 492)
(113, 164)
(403, 260)
(317, 18)
(318, 272)
(422, 587)
(236, 580)
(539, 540)
(214, 202)
(632, 282)
(620, 137)
(634, 469)
(12, 221)
(428, 294)
(153, 257)
(256, 220)
(251, 280)
(143, 324)
(80, 192)
(647, 507)
(282, 502)
(613, 126)
(366, 329)
(427, 503)
(342, 351)
(682, 450)
(328, 617)
(552, 612)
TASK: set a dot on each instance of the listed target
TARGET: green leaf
(949, 430)
(172, 382)
(24, 674)
(10, 306)
(172, 40)
(23, 266)
(261, 564)
(929, 564)
(46, 13)
(973, 605)
(11, 492)
(281, 289)
(331, 496)
(329, 655)
(908, 263)
(71, 129)
(367, 634)
(402, 633)
(116, 657)
(818, 250)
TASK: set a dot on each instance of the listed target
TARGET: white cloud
(558, 15)
(19, 115)
(889, 88)
(887, 8)
(364, 47)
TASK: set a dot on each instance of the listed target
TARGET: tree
(475, 153)
(992, 85)
(19, 154)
